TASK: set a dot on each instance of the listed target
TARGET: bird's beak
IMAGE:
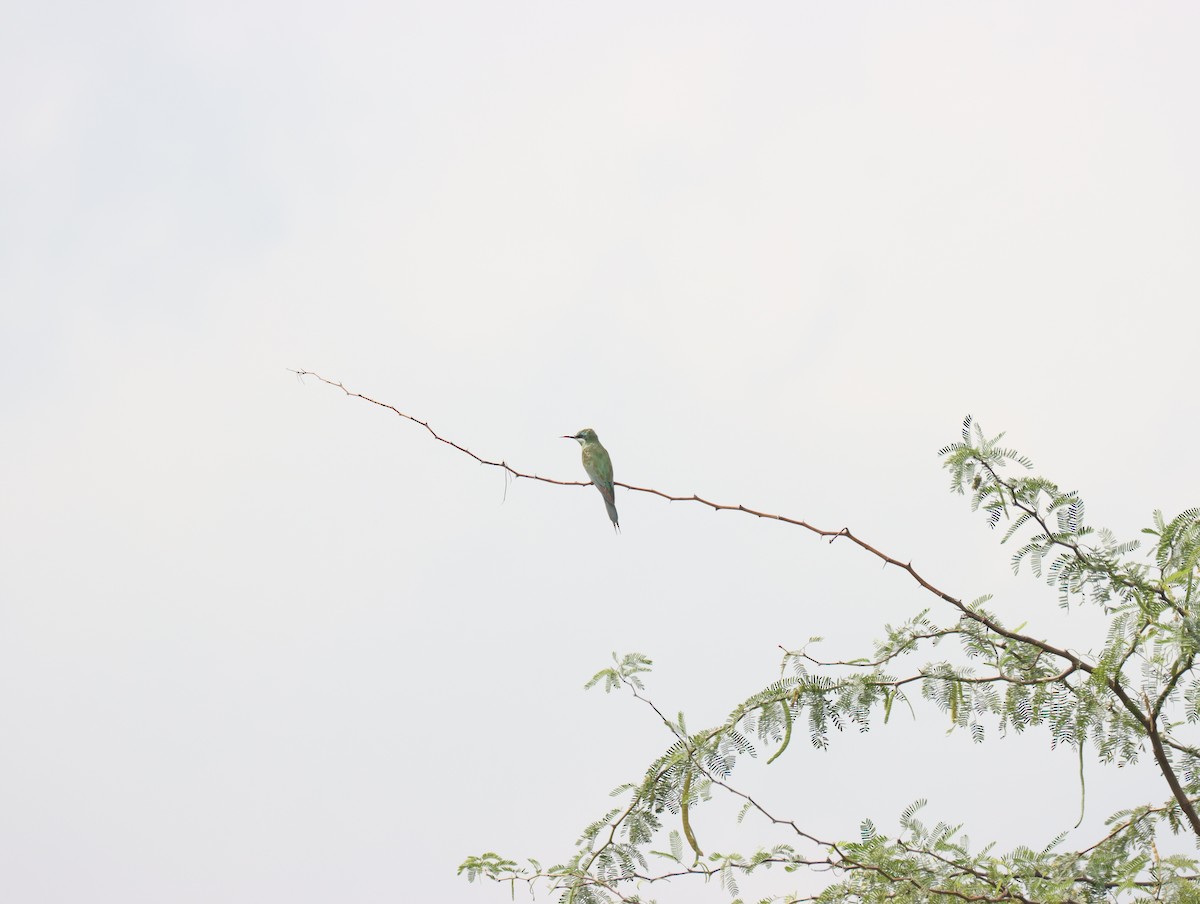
(564, 436)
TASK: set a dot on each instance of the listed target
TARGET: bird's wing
(599, 468)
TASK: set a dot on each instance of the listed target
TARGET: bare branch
(826, 533)
(441, 439)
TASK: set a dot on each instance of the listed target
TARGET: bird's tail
(612, 514)
(607, 491)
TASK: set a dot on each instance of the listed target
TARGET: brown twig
(441, 439)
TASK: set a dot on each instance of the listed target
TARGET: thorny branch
(824, 533)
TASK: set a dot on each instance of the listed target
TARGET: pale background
(261, 642)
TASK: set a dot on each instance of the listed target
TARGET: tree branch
(824, 533)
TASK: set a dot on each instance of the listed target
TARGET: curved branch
(441, 439)
(910, 644)
(825, 533)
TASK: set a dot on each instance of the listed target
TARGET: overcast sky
(263, 642)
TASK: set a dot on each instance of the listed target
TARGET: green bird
(599, 468)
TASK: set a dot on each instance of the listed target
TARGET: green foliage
(1122, 703)
(627, 670)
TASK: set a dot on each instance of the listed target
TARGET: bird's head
(586, 435)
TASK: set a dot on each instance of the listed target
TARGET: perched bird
(599, 468)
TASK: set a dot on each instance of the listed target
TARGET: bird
(599, 468)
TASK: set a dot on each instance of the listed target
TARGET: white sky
(261, 642)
